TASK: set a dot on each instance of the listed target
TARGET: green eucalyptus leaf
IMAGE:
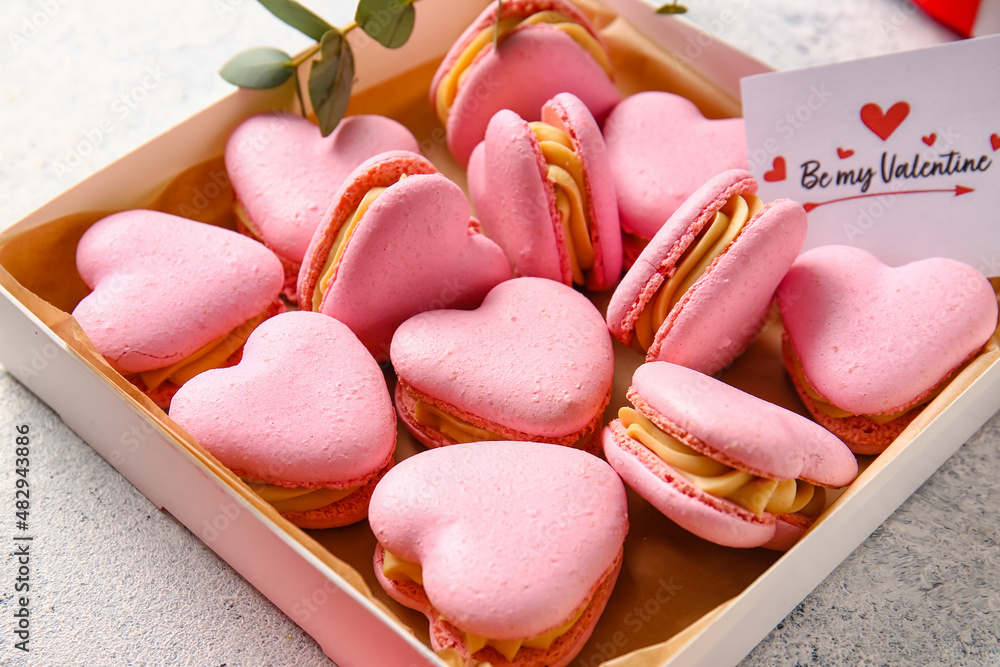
(672, 8)
(259, 67)
(388, 22)
(298, 17)
(330, 80)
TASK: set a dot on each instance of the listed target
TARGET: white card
(897, 154)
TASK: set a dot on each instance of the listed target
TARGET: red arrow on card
(957, 190)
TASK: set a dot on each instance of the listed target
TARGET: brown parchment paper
(672, 584)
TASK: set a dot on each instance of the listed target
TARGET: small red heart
(884, 124)
(930, 139)
(995, 140)
(777, 172)
(844, 153)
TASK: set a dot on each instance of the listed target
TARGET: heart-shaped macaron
(516, 55)
(869, 339)
(306, 411)
(164, 287)
(286, 174)
(398, 242)
(661, 150)
(512, 539)
(534, 362)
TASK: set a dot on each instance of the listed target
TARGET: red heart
(842, 153)
(995, 140)
(884, 124)
(777, 173)
(930, 139)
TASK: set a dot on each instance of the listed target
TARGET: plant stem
(306, 56)
(298, 93)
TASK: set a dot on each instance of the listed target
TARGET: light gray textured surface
(117, 582)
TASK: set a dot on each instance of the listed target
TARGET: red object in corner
(959, 15)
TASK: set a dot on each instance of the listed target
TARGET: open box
(293, 570)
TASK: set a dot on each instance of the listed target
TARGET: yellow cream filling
(756, 494)
(340, 242)
(297, 499)
(710, 243)
(457, 429)
(241, 214)
(565, 174)
(448, 87)
(831, 410)
(211, 355)
(397, 569)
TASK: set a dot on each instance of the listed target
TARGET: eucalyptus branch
(389, 22)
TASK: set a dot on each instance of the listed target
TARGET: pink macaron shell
(381, 170)
(534, 357)
(444, 635)
(349, 509)
(724, 310)
(657, 261)
(661, 149)
(514, 201)
(164, 286)
(873, 339)
(512, 536)
(788, 529)
(706, 516)
(534, 64)
(566, 112)
(738, 428)
(306, 406)
(286, 174)
(488, 17)
(380, 282)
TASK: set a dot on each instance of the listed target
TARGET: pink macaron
(545, 47)
(511, 549)
(399, 240)
(286, 174)
(700, 291)
(543, 191)
(868, 345)
(305, 419)
(661, 149)
(722, 464)
(533, 362)
(172, 297)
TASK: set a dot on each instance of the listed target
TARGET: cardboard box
(319, 580)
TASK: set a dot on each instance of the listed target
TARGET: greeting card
(897, 154)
